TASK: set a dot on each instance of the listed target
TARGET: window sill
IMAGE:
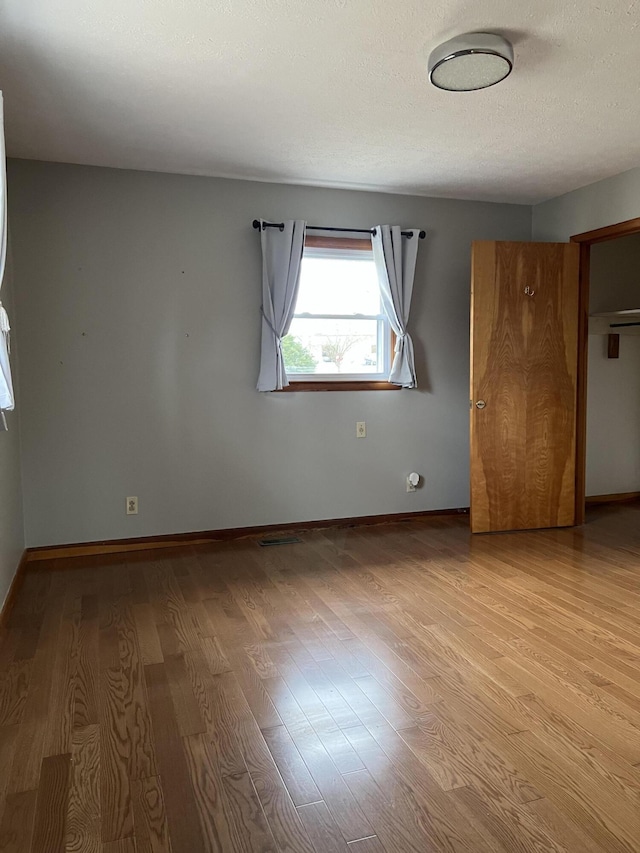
(356, 385)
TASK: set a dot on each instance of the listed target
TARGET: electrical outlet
(410, 486)
(361, 429)
(132, 506)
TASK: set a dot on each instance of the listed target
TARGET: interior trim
(609, 232)
(14, 589)
(586, 239)
(355, 385)
(621, 497)
(146, 543)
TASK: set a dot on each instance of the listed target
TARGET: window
(340, 337)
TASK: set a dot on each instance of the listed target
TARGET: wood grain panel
(29, 745)
(16, 826)
(208, 795)
(83, 825)
(524, 356)
(149, 817)
(322, 828)
(51, 805)
(293, 770)
(180, 805)
(115, 756)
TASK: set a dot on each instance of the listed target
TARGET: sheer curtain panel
(6, 385)
(281, 259)
(395, 258)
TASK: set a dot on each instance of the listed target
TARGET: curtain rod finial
(256, 224)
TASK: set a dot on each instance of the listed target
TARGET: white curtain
(281, 259)
(395, 257)
(6, 385)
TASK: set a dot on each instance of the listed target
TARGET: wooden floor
(394, 688)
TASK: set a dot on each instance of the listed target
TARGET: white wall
(139, 296)
(11, 521)
(613, 389)
(613, 417)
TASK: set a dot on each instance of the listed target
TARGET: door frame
(586, 240)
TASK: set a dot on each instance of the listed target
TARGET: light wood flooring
(402, 688)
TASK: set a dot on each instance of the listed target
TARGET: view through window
(339, 331)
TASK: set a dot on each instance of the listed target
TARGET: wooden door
(524, 358)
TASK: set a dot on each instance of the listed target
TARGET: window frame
(316, 241)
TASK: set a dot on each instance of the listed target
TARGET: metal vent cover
(279, 540)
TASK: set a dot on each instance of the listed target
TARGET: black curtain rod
(280, 225)
(622, 325)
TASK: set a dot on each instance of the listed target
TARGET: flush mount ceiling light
(470, 61)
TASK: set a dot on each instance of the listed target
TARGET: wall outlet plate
(132, 506)
(361, 429)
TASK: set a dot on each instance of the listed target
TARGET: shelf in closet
(615, 322)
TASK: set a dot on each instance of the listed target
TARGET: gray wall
(615, 275)
(613, 392)
(139, 298)
(613, 417)
(594, 206)
(11, 522)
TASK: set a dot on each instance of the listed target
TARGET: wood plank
(561, 826)
(447, 821)
(588, 802)
(276, 802)
(249, 829)
(115, 758)
(344, 809)
(85, 675)
(180, 804)
(16, 826)
(211, 806)
(300, 785)
(51, 805)
(29, 748)
(432, 693)
(14, 686)
(147, 632)
(149, 816)
(123, 845)
(8, 740)
(507, 829)
(322, 828)
(185, 704)
(83, 825)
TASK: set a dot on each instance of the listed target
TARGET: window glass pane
(332, 347)
(338, 286)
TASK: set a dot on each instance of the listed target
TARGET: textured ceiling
(329, 92)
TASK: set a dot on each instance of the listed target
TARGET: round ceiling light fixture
(470, 61)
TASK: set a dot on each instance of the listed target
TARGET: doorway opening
(608, 387)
